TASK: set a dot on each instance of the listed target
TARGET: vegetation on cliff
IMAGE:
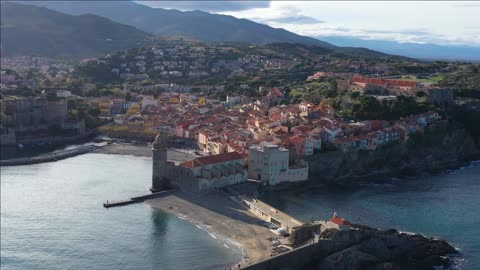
(439, 148)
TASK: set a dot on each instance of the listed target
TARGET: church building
(200, 174)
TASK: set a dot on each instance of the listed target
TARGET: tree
(420, 94)
(354, 95)
(94, 112)
(71, 105)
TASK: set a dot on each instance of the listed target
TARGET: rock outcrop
(439, 148)
(368, 248)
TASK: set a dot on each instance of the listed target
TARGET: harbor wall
(296, 258)
(48, 158)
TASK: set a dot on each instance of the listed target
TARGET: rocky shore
(368, 248)
(439, 149)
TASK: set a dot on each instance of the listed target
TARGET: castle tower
(159, 179)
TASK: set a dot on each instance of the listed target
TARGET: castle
(200, 174)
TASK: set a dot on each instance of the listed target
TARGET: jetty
(138, 199)
(55, 156)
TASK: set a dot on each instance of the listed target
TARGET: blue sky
(438, 22)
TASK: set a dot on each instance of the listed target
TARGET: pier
(138, 199)
(55, 156)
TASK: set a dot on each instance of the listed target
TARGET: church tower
(159, 179)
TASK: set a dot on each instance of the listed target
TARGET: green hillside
(30, 30)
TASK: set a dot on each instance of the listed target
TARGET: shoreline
(214, 234)
(50, 157)
(223, 219)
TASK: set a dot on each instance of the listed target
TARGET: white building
(63, 93)
(269, 163)
(233, 100)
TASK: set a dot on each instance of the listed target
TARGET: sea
(52, 216)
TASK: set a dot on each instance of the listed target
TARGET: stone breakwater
(55, 156)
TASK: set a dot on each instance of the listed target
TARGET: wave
(227, 242)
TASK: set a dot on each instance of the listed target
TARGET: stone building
(270, 164)
(32, 115)
(200, 174)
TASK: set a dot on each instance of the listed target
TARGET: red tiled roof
(296, 139)
(274, 92)
(201, 161)
(360, 79)
(186, 124)
(340, 221)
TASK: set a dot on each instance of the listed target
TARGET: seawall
(294, 259)
(57, 140)
(364, 247)
(49, 158)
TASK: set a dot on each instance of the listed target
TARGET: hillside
(30, 30)
(195, 24)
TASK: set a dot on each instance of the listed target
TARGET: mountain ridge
(196, 24)
(426, 51)
(38, 31)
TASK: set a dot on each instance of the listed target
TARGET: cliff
(363, 247)
(368, 248)
(439, 148)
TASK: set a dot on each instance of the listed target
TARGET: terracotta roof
(201, 161)
(296, 139)
(275, 92)
(360, 79)
(340, 221)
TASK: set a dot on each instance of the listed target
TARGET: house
(269, 164)
(147, 101)
(299, 145)
(233, 100)
(217, 147)
(397, 86)
(354, 143)
(340, 223)
(305, 107)
(116, 105)
(63, 93)
(275, 96)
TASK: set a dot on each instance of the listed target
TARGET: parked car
(268, 224)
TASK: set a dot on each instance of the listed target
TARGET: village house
(397, 87)
(63, 93)
(270, 164)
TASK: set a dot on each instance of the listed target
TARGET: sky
(437, 22)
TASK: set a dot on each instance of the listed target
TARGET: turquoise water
(445, 206)
(52, 218)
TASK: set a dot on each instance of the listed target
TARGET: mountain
(32, 30)
(195, 24)
(415, 50)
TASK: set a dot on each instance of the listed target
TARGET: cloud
(401, 36)
(373, 20)
(299, 19)
(278, 15)
(210, 6)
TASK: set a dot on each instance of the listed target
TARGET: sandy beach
(220, 215)
(141, 150)
(213, 212)
(144, 150)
